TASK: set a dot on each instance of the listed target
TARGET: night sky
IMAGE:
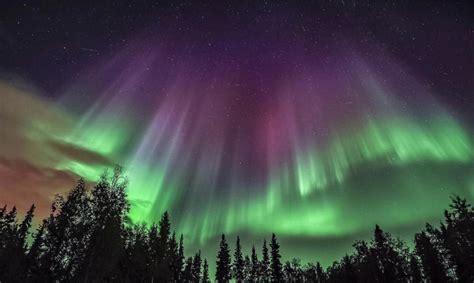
(314, 120)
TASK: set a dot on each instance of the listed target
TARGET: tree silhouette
(254, 273)
(196, 270)
(106, 246)
(180, 257)
(205, 272)
(13, 259)
(431, 261)
(390, 260)
(175, 260)
(66, 233)
(265, 271)
(276, 267)
(188, 270)
(223, 263)
(88, 238)
(320, 275)
(415, 271)
(247, 268)
(239, 263)
(457, 237)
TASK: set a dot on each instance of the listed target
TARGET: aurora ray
(313, 133)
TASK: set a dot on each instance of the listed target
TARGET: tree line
(87, 237)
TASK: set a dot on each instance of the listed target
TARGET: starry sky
(314, 120)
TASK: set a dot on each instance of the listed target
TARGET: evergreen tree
(196, 270)
(165, 230)
(254, 273)
(180, 258)
(247, 268)
(163, 273)
(188, 270)
(238, 262)
(320, 275)
(153, 259)
(457, 237)
(9, 240)
(175, 260)
(288, 272)
(297, 270)
(276, 267)
(205, 273)
(223, 263)
(13, 259)
(33, 255)
(390, 258)
(265, 271)
(431, 261)
(415, 271)
(348, 270)
(25, 227)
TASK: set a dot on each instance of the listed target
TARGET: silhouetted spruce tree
(297, 269)
(415, 271)
(25, 227)
(265, 271)
(320, 274)
(254, 273)
(349, 273)
(19, 260)
(289, 273)
(165, 230)
(175, 264)
(247, 268)
(365, 264)
(239, 265)
(390, 255)
(163, 272)
(188, 270)
(33, 254)
(314, 273)
(292, 271)
(276, 267)
(223, 263)
(137, 254)
(345, 271)
(153, 260)
(13, 260)
(180, 258)
(457, 237)
(205, 272)
(309, 272)
(42, 259)
(431, 261)
(196, 270)
(8, 241)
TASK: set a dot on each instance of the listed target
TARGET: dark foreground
(88, 238)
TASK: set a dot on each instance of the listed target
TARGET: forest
(88, 237)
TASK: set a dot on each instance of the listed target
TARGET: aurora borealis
(313, 122)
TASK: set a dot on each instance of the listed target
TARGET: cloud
(33, 150)
(23, 184)
(80, 154)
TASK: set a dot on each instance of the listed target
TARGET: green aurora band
(395, 167)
